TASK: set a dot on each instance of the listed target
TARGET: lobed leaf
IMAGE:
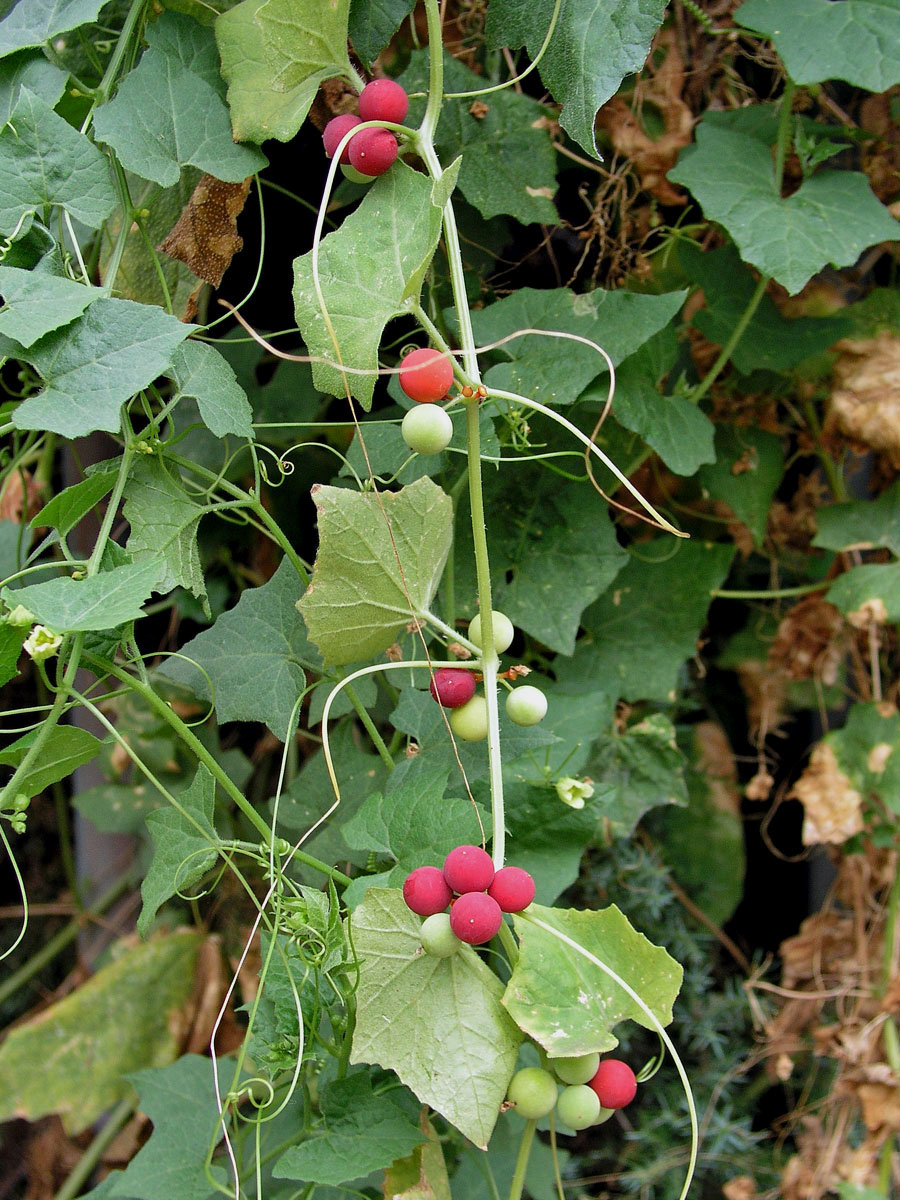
(103, 601)
(35, 22)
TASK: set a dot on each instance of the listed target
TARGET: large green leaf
(566, 1003)
(596, 43)
(66, 508)
(254, 655)
(164, 521)
(831, 218)
(369, 270)
(140, 995)
(43, 160)
(12, 638)
(373, 22)
(546, 837)
(164, 116)
(99, 602)
(361, 1131)
(861, 523)
(378, 566)
(116, 348)
(66, 748)
(29, 69)
(275, 53)
(871, 590)
(747, 471)
(437, 1022)
(184, 843)
(200, 371)
(37, 302)
(34, 22)
(857, 40)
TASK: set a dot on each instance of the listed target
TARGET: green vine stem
(517, 1185)
(802, 589)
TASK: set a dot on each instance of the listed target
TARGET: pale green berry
(355, 176)
(503, 631)
(427, 429)
(438, 939)
(526, 705)
(533, 1093)
(578, 1069)
(578, 1106)
(470, 721)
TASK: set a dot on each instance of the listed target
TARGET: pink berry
(512, 888)
(373, 151)
(468, 869)
(426, 375)
(383, 100)
(426, 891)
(449, 686)
(334, 131)
(614, 1083)
(475, 918)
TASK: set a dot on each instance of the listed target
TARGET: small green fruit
(578, 1069)
(355, 176)
(533, 1093)
(427, 429)
(578, 1106)
(470, 721)
(438, 939)
(504, 631)
(526, 705)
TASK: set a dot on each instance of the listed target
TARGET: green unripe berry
(526, 705)
(427, 429)
(438, 939)
(503, 631)
(605, 1114)
(578, 1069)
(470, 721)
(578, 1106)
(533, 1093)
(355, 176)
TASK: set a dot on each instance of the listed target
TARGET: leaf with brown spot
(205, 236)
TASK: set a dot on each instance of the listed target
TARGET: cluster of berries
(478, 897)
(592, 1090)
(370, 152)
(454, 688)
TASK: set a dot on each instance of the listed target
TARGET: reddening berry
(614, 1083)
(513, 889)
(475, 918)
(426, 891)
(469, 869)
(383, 100)
(373, 151)
(426, 375)
(334, 131)
(452, 686)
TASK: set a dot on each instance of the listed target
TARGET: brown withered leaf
(806, 645)
(20, 491)
(205, 236)
(832, 807)
(880, 1105)
(865, 403)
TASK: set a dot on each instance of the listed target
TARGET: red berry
(334, 131)
(512, 888)
(475, 918)
(373, 151)
(468, 869)
(426, 891)
(614, 1083)
(451, 687)
(383, 100)
(426, 375)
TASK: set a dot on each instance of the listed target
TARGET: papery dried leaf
(806, 645)
(865, 402)
(205, 236)
(832, 806)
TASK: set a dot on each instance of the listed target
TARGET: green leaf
(184, 39)
(373, 24)
(596, 43)
(646, 626)
(861, 524)
(275, 53)
(34, 22)
(199, 370)
(30, 69)
(857, 40)
(371, 578)
(13, 548)
(12, 638)
(746, 473)
(92, 368)
(184, 846)
(470, 1182)
(360, 1132)
(38, 302)
(831, 218)
(164, 521)
(180, 1100)
(69, 506)
(568, 1005)
(639, 769)
(872, 590)
(66, 748)
(548, 837)
(554, 370)
(253, 654)
(100, 602)
(165, 117)
(368, 270)
(405, 996)
(139, 995)
(422, 1175)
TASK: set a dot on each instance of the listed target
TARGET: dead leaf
(807, 645)
(205, 236)
(832, 806)
(865, 402)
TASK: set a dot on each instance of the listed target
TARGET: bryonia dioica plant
(342, 983)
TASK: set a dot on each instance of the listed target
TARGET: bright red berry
(614, 1083)
(452, 686)
(512, 888)
(426, 374)
(334, 131)
(468, 869)
(426, 891)
(383, 100)
(475, 918)
(373, 151)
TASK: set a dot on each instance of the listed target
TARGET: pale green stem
(377, 740)
(803, 589)
(518, 1179)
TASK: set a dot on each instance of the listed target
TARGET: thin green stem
(829, 466)
(518, 1180)
(435, 71)
(377, 740)
(803, 589)
(736, 334)
(91, 1157)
